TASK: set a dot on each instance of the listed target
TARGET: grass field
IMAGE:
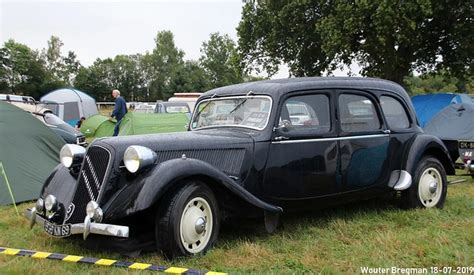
(338, 240)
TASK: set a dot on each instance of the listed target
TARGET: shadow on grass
(254, 229)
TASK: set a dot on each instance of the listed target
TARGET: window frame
(376, 103)
(311, 134)
(405, 108)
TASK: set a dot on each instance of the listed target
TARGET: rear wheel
(187, 222)
(429, 186)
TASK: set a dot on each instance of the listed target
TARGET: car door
(303, 155)
(401, 127)
(363, 141)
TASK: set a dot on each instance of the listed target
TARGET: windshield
(177, 109)
(52, 119)
(246, 111)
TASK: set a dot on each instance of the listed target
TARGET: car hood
(230, 151)
(205, 139)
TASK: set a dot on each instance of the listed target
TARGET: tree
(221, 61)
(388, 39)
(21, 70)
(61, 69)
(163, 63)
(95, 79)
(52, 57)
(438, 83)
(190, 77)
(71, 68)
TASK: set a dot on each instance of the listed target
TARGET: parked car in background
(26, 103)
(188, 98)
(244, 157)
(144, 108)
(61, 128)
(172, 107)
(68, 133)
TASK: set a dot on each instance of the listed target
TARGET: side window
(306, 115)
(357, 114)
(394, 113)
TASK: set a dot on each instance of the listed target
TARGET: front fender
(426, 144)
(151, 187)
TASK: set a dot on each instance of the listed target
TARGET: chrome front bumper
(86, 228)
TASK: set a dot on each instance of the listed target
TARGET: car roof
(278, 87)
(174, 103)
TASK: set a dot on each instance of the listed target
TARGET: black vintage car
(254, 149)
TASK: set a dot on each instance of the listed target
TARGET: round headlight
(71, 154)
(94, 212)
(40, 205)
(137, 157)
(50, 203)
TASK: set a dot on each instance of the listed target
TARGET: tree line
(424, 45)
(389, 39)
(140, 77)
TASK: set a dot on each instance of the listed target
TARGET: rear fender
(423, 145)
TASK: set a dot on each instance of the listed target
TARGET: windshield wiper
(238, 105)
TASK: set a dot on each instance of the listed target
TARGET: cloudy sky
(104, 29)
(101, 29)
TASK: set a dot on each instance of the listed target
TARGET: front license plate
(62, 230)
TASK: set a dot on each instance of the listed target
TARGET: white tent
(70, 104)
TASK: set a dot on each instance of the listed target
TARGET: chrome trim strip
(329, 139)
(88, 185)
(79, 228)
(94, 175)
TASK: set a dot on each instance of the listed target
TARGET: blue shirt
(120, 108)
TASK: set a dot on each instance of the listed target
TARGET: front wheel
(429, 186)
(187, 222)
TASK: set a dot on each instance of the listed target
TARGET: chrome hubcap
(200, 225)
(430, 187)
(433, 187)
(196, 225)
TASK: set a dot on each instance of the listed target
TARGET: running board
(400, 180)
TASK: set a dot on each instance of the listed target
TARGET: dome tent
(29, 151)
(135, 124)
(70, 104)
(455, 122)
(427, 106)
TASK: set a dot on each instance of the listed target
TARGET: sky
(101, 29)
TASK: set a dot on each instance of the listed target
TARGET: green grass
(336, 240)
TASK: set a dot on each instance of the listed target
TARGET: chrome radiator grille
(92, 176)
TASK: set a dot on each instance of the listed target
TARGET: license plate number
(466, 145)
(62, 230)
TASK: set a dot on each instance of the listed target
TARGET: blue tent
(427, 106)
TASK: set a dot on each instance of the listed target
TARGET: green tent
(29, 151)
(140, 123)
(97, 126)
(135, 124)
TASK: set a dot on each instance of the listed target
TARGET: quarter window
(306, 114)
(357, 113)
(394, 112)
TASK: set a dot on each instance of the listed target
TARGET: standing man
(120, 110)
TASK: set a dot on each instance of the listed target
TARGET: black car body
(247, 154)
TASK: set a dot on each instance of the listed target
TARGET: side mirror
(284, 127)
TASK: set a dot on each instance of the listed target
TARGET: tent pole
(9, 188)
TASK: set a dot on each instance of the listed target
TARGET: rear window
(394, 113)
